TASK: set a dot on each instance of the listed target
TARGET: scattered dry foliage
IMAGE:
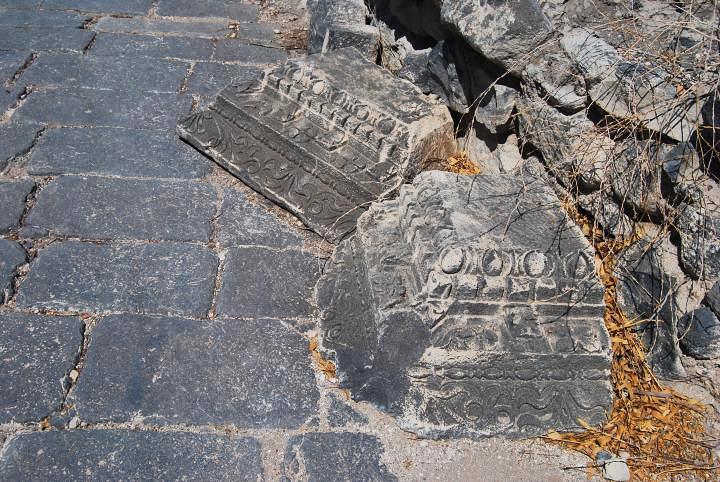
(460, 163)
(326, 367)
(661, 431)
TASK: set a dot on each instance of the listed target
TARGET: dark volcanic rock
(130, 455)
(12, 256)
(699, 333)
(36, 354)
(323, 136)
(330, 457)
(455, 304)
(646, 294)
(342, 23)
(13, 194)
(699, 241)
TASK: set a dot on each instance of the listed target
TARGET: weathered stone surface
(13, 194)
(329, 457)
(10, 63)
(127, 455)
(231, 9)
(163, 278)
(340, 414)
(647, 294)
(699, 241)
(12, 256)
(557, 80)
(41, 19)
(712, 298)
(68, 70)
(242, 223)
(500, 30)
(208, 78)
(236, 51)
(635, 174)
(116, 45)
(699, 333)
(630, 90)
(102, 208)
(196, 28)
(36, 355)
(455, 305)
(16, 138)
(606, 213)
(344, 24)
(494, 111)
(139, 7)
(115, 152)
(323, 136)
(259, 282)
(573, 148)
(104, 108)
(35, 39)
(251, 373)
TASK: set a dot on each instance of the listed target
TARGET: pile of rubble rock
(618, 100)
(469, 305)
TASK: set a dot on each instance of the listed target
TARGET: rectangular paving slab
(37, 353)
(231, 9)
(123, 45)
(127, 455)
(260, 282)
(89, 107)
(112, 208)
(252, 374)
(13, 194)
(139, 7)
(16, 138)
(242, 223)
(214, 29)
(68, 70)
(330, 457)
(12, 256)
(238, 51)
(41, 19)
(323, 136)
(163, 278)
(115, 152)
(39, 39)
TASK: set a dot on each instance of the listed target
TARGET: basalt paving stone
(27, 4)
(102, 208)
(249, 373)
(13, 194)
(323, 136)
(237, 51)
(115, 152)
(162, 278)
(7, 100)
(209, 78)
(127, 455)
(139, 7)
(259, 282)
(36, 354)
(243, 223)
(469, 307)
(90, 107)
(38, 39)
(122, 45)
(212, 8)
(12, 256)
(10, 63)
(341, 414)
(41, 19)
(329, 457)
(16, 138)
(70, 69)
(217, 29)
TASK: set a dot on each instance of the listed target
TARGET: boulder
(323, 136)
(699, 333)
(469, 306)
(337, 24)
(494, 111)
(631, 91)
(646, 294)
(572, 147)
(556, 79)
(699, 241)
(501, 30)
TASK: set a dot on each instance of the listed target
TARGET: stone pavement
(155, 314)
